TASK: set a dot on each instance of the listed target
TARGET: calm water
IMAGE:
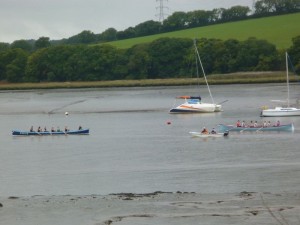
(132, 149)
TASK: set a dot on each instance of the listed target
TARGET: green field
(278, 30)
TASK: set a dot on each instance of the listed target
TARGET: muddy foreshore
(152, 208)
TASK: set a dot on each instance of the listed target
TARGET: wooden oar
(259, 129)
(222, 102)
(37, 133)
(244, 129)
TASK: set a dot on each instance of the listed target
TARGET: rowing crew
(255, 124)
(52, 129)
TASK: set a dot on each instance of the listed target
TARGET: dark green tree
(42, 42)
(147, 28)
(109, 35)
(177, 21)
(22, 44)
(294, 53)
(168, 57)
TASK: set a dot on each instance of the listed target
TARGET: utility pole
(161, 7)
(253, 6)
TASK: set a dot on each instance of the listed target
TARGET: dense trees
(163, 58)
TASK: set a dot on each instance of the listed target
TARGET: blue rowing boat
(70, 132)
(286, 127)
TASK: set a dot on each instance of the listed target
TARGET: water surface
(131, 148)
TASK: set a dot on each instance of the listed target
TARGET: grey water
(132, 148)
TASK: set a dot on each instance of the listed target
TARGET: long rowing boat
(286, 127)
(70, 132)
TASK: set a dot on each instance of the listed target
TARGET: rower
(204, 131)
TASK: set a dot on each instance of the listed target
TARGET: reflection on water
(132, 148)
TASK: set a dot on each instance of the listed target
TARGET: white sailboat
(279, 110)
(194, 104)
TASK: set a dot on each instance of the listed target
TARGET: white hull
(283, 111)
(280, 111)
(199, 134)
(196, 108)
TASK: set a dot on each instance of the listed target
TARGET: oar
(259, 129)
(244, 129)
(222, 102)
(38, 133)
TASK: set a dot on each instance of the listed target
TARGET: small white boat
(199, 134)
(283, 111)
(194, 104)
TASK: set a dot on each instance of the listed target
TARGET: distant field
(278, 30)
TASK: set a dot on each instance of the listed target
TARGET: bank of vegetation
(217, 79)
(165, 58)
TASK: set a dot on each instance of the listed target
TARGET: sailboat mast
(287, 79)
(197, 53)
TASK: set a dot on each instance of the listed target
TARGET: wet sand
(153, 208)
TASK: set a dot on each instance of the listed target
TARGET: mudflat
(153, 208)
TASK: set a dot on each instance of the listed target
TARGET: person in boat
(238, 124)
(80, 127)
(265, 124)
(66, 129)
(45, 129)
(31, 129)
(226, 133)
(255, 124)
(204, 131)
(278, 123)
(269, 124)
(52, 129)
(251, 124)
(58, 129)
(213, 131)
(243, 124)
(39, 129)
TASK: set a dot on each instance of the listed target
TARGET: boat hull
(224, 128)
(196, 108)
(199, 134)
(280, 112)
(47, 133)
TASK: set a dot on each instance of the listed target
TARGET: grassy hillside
(278, 30)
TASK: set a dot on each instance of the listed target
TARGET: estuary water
(132, 148)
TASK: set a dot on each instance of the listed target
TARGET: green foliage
(42, 42)
(294, 52)
(22, 44)
(160, 59)
(12, 65)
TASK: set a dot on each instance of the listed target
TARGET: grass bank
(235, 78)
(278, 30)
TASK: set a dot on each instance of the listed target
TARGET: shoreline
(153, 208)
(223, 79)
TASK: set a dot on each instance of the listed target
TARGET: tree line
(162, 58)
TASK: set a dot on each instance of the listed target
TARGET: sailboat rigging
(283, 111)
(194, 104)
